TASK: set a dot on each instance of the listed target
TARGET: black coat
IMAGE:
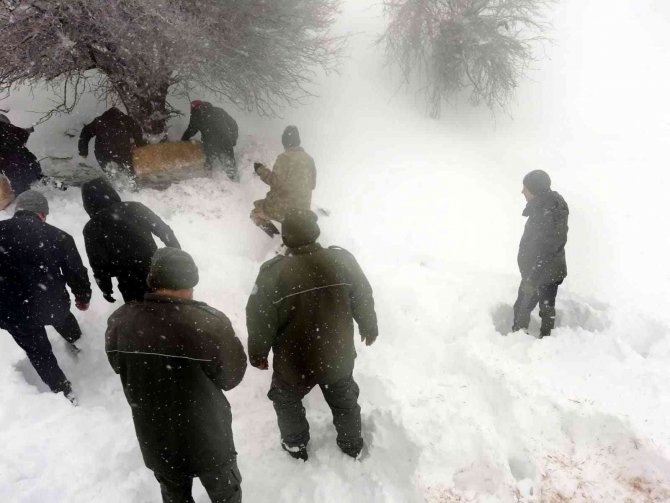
(37, 260)
(13, 137)
(115, 135)
(21, 167)
(174, 357)
(541, 255)
(218, 130)
(303, 306)
(119, 237)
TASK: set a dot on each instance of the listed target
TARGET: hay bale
(178, 158)
(6, 193)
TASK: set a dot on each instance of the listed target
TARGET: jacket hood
(546, 200)
(113, 113)
(97, 195)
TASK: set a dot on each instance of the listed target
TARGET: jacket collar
(168, 299)
(305, 249)
(540, 201)
(295, 149)
(26, 214)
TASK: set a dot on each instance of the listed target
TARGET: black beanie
(299, 228)
(291, 137)
(537, 182)
(172, 269)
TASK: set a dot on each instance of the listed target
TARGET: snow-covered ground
(452, 411)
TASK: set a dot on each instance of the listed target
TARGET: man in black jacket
(218, 132)
(541, 256)
(115, 135)
(36, 262)
(17, 163)
(303, 306)
(119, 240)
(174, 356)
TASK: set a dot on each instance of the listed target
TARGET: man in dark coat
(37, 260)
(174, 356)
(119, 240)
(303, 306)
(218, 132)
(115, 135)
(17, 163)
(541, 256)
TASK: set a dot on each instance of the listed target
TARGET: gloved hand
(257, 166)
(108, 297)
(369, 340)
(528, 288)
(260, 364)
(81, 305)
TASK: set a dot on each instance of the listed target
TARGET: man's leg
(133, 286)
(223, 486)
(261, 219)
(230, 164)
(34, 341)
(523, 306)
(547, 300)
(68, 328)
(293, 425)
(175, 489)
(342, 397)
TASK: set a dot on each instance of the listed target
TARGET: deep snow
(452, 411)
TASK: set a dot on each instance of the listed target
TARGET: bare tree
(260, 54)
(452, 45)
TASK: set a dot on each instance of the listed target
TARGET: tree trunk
(147, 104)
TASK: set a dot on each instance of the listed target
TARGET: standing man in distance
(291, 180)
(303, 307)
(541, 255)
(174, 356)
(37, 261)
(119, 240)
(218, 132)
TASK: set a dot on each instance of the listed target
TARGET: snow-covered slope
(452, 411)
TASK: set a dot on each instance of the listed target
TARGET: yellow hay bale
(168, 157)
(6, 193)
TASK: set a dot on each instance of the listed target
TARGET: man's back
(115, 133)
(174, 356)
(311, 298)
(36, 262)
(292, 181)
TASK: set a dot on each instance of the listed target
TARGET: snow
(452, 411)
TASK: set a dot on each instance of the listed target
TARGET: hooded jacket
(37, 261)
(119, 236)
(115, 135)
(174, 356)
(303, 307)
(291, 180)
(541, 255)
(17, 162)
(218, 130)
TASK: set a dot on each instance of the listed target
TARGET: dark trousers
(68, 329)
(222, 486)
(224, 158)
(545, 295)
(342, 398)
(133, 285)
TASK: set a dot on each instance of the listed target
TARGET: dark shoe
(69, 394)
(74, 350)
(351, 450)
(296, 452)
(270, 229)
(545, 334)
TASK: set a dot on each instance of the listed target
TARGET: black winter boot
(296, 452)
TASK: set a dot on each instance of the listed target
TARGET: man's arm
(363, 303)
(192, 129)
(136, 131)
(87, 133)
(76, 275)
(227, 369)
(262, 320)
(158, 227)
(553, 237)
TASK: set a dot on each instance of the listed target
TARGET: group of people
(174, 354)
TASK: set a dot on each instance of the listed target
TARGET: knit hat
(537, 182)
(196, 104)
(291, 137)
(172, 269)
(32, 201)
(299, 228)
